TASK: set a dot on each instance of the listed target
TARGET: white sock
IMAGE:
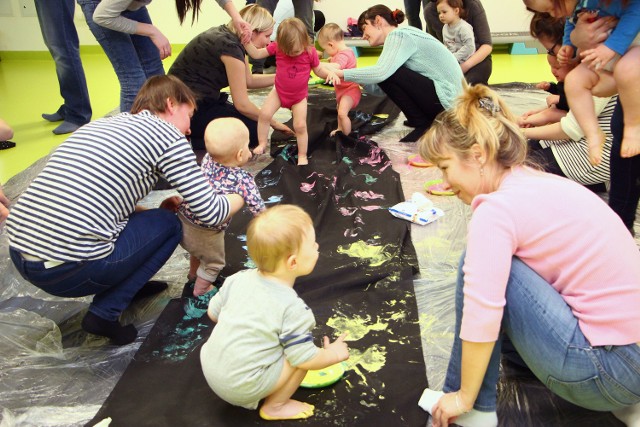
(429, 398)
(475, 418)
(629, 415)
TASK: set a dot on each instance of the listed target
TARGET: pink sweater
(571, 238)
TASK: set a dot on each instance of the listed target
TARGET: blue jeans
(145, 244)
(134, 58)
(60, 36)
(547, 337)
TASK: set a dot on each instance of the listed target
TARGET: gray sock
(66, 127)
(53, 117)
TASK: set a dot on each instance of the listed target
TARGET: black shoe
(5, 145)
(120, 335)
(414, 135)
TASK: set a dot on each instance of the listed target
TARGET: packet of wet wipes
(419, 210)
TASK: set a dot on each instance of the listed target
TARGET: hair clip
(394, 14)
(489, 105)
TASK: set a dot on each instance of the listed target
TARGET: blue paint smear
(273, 199)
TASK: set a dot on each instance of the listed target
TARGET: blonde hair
(276, 234)
(156, 90)
(480, 117)
(258, 17)
(224, 137)
(330, 33)
(292, 37)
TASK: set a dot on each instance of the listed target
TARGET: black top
(199, 65)
(476, 16)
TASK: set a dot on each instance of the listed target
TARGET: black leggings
(625, 174)
(214, 109)
(480, 73)
(415, 95)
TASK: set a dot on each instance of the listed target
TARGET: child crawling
(262, 346)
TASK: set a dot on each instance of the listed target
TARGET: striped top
(77, 206)
(419, 52)
(572, 154)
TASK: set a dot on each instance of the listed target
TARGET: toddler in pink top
(295, 58)
(331, 40)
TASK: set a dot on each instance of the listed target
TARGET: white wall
(20, 33)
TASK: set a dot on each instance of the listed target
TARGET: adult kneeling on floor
(77, 231)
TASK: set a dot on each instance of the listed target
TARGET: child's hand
(598, 57)
(552, 100)
(171, 203)
(543, 85)
(565, 54)
(339, 347)
(332, 77)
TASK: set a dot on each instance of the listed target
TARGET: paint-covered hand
(339, 347)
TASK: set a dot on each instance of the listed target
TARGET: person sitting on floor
(262, 345)
(538, 270)
(415, 70)
(77, 230)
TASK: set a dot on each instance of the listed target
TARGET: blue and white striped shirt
(77, 206)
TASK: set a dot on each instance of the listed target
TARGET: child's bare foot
(302, 160)
(201, 287)
(595, 143)
(630, 141)
(259, 149)
(290, 410)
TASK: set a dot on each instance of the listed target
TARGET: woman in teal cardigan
(415, 70)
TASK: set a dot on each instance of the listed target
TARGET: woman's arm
(242, 26)
(108, 14)
(240, 79)
(552, 132)
(475, 360)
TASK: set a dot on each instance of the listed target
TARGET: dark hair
(545, 25)
(184, 6)
(455, 4)
(156, 90)
(394, 17)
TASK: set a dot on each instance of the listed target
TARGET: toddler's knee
(300, 126)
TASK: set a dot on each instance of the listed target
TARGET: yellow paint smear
(357, 327)
(375, 254)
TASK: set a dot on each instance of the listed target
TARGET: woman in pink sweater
(548, 264)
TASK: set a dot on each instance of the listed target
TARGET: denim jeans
(60, 36)
(145, 244)
(546, 335)
(134, 58)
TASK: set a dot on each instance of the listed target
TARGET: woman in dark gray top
(216, 59)
(476, 69)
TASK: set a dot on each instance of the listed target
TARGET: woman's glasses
(551, 51)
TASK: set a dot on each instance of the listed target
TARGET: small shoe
(5, 145)
(299, 416)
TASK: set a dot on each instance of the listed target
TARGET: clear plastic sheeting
(52, 373)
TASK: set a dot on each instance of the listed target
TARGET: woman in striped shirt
(77, 231)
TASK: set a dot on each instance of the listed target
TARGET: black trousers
(624, 192)
(208, 110)
(480, 73)
(415, 95)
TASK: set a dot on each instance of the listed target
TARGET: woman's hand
(243, 28)
(158, 39)
(448, 408)
(598, 57)
(590, 32)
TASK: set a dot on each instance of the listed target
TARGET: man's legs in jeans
(60, 36)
